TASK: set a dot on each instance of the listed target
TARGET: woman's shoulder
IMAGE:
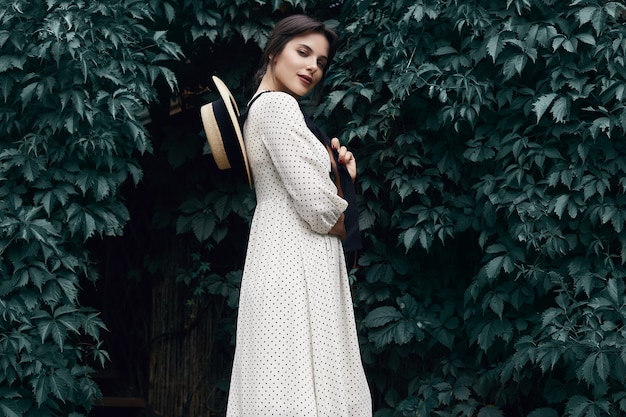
(279, 100)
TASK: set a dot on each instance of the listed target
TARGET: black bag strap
(244, 114)
(352, 242)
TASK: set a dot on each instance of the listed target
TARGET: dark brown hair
(287, 29)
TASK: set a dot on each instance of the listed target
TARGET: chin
(298, 94)
(303, 92)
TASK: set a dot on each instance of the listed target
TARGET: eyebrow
(311, 50)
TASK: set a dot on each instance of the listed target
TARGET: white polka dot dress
(297, 353)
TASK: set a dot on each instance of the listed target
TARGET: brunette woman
(297, 352)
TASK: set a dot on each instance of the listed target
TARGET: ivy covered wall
(73, 78)
(490, 141)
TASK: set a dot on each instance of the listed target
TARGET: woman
(297, 352)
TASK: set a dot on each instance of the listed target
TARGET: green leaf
(542, 104)
(382, 336)
(170, 12)
(404, 332)
(496, 303)
(614, 291)
(4, 36)
(494, 266)
(514, 65)
(577, 406)
(334, 98)
(380, 273)
(494, 46)
(560, 204)
(486, 336)
(381, 316)
(13, 407)
(560, 110)
(8, 62)
(550, 316)
(410, 237)
(445, 337)
(426, 238)
(203, 226)
(60, 382)
(602, 366)
(408, 306)
(416, 12)
(587, 38)
(27, 92)
(102, 188)
(601, 125)
(585, 15)
(461, 392)
(69, 288)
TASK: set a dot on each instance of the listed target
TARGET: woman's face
(300, 65)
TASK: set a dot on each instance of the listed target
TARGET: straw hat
(220, 119)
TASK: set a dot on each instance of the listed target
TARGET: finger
(341, 153)
(345, 156)
(334, 142)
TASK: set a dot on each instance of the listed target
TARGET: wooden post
(180, 355)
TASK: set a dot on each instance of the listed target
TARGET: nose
(312, 66)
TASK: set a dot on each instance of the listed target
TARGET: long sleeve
(301, 161)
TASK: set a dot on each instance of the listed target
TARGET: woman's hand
(339, 228)
(345, 157)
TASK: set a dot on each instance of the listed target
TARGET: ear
(270, 63)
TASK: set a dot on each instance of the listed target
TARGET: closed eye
(305, 51)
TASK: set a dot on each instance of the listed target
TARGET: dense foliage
(491, 164)
(73, 78)
(489, 137)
